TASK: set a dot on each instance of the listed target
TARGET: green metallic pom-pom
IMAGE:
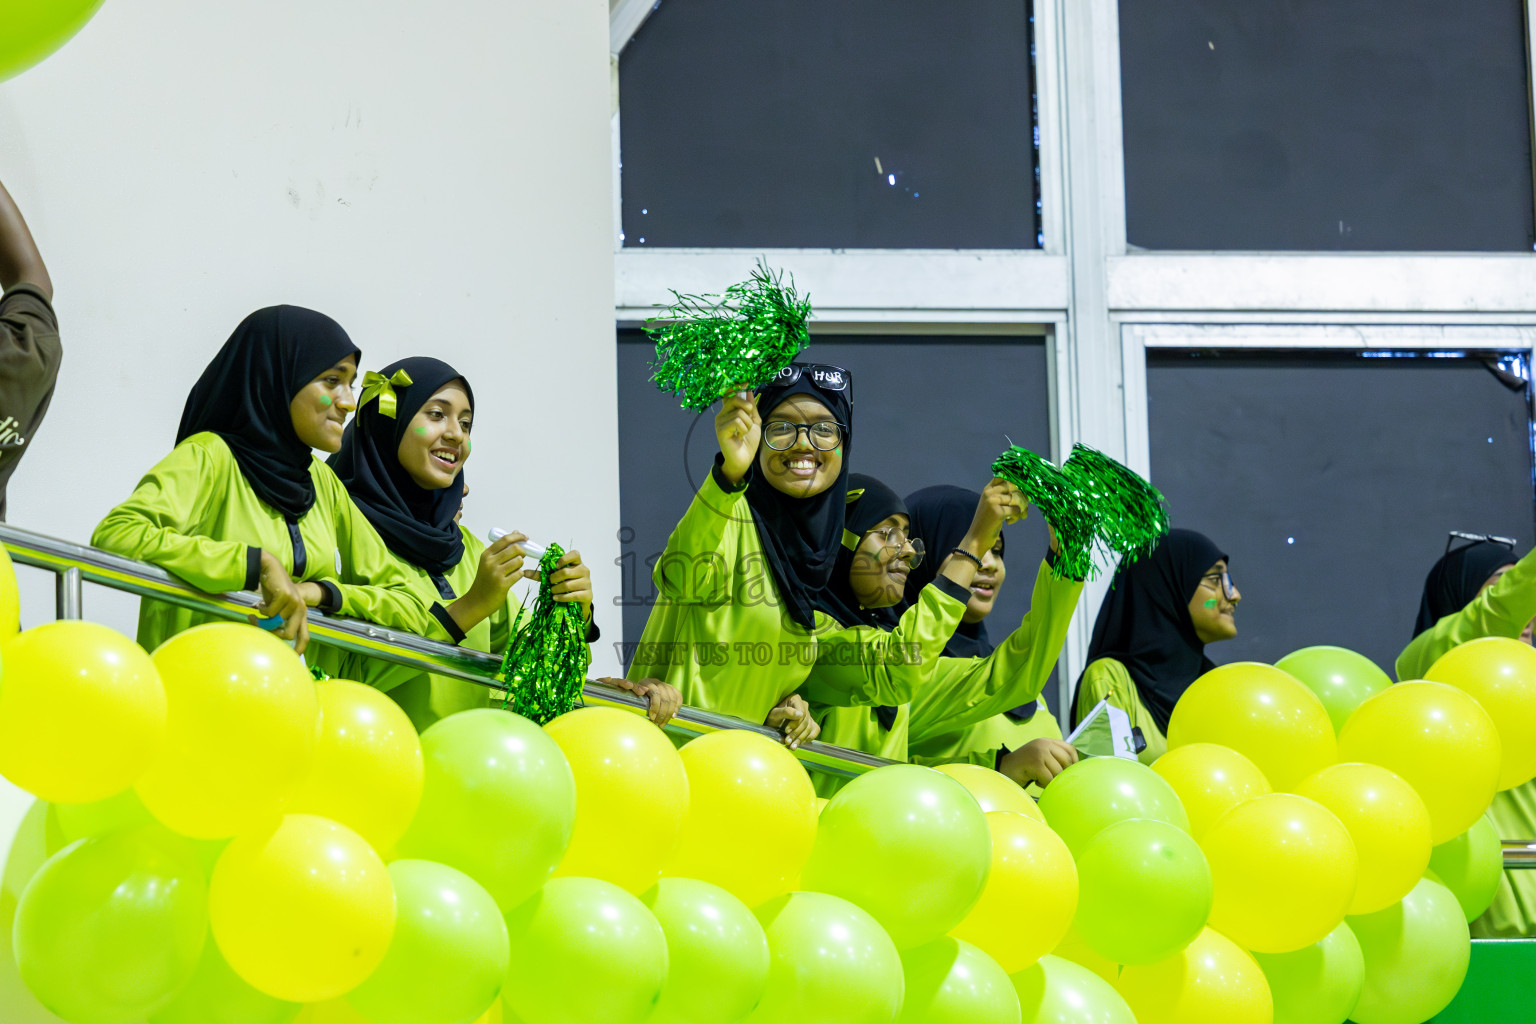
(708, 346)
(545, 667)
(1092, 502)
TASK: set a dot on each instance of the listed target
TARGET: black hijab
(416, 523)
(1144, 622)
(244, 394)
(1457, 577)
(940, 517)
(801, 537)
(869, 503)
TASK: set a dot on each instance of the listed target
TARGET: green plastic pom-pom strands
(1092, 502)
(708, 346)
(545, 667)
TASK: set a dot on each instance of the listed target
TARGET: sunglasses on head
(1477, 538)
(822, 376)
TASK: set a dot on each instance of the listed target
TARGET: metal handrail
(77, 564)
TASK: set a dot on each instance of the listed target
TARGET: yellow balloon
(1073, 948)
(1387, 823)
(1213, 981)
(1210, 780)
(994, 791)
(1439, 740)
(1500, 674)
(303, 909)
(751, 816)
(367, 772)
(1033, 877)
(1264, 714)
(631, 796)
(1283, 869)
(10, 598)
(82, 712)
(243, 723)
(332, 1011)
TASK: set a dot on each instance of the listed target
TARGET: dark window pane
(1332, 483)
(816, 124)
(1326, 124)
(927, 410)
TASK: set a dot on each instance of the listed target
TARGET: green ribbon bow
(376, 385)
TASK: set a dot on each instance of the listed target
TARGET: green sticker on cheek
(468, 447)
(838, 451)
(1211, 603)
(422, 431)
(325, 399)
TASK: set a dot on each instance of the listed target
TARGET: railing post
(70, 596)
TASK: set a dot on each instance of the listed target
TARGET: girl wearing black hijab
(1022, 741)
(735, 624)
(1149, 640)
(402, 460)
(1481, 590)
(242, 503)
(876, 657)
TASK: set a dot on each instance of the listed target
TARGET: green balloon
(909, 845)
(498, 803)
(952, 982)
(829, 963)
(1319, 984)
(716, 951)
(111, 928)
(83, 821)
(1471, 866)
(1144, 891)
(1098, 791)
(584, 950)
(34, 30)
(1057, 991)
(1342, 679)
(448, 956)
(1416, 954)
(217, 995)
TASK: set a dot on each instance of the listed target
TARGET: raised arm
(20, 261)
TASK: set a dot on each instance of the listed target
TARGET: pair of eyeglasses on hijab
(824, 376)
(1222, 583)
(1477, 538)
(782, 435)
(895, 537)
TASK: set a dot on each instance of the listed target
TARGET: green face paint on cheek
(325, 399)
(1211, 603)
(422, 431)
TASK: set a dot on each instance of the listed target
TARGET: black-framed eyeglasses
(896, 537)
(782, 435)
(1221, 582)
(824, 376)
(1477, 538)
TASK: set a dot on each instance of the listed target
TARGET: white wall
(434, 175)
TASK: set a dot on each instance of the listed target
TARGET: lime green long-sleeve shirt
(981, 744)
(1107, 679)
(952, 695)
(428, 697)
(717, 631)
(195, 516)
(1501, 610)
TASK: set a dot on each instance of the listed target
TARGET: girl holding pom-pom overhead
(878, 650)
(402, 461)
(1149, 640)
(735, 625)
(242, 503)
(1008, 728)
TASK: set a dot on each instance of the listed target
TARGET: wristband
(966, 554)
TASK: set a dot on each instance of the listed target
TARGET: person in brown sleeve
(30, 351)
